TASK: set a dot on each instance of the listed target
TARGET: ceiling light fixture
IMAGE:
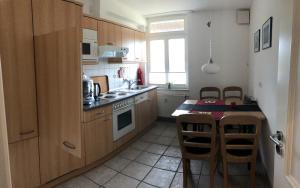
(210, 67)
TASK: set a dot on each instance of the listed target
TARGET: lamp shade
(210, 68)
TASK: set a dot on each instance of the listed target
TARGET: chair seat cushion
(240, 152)
(195, 150)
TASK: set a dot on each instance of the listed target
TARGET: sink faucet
(130, 82)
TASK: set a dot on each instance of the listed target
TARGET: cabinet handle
(69, 145)
(110, 43)
(26, 132)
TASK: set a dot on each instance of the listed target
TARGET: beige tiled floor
(154, 160)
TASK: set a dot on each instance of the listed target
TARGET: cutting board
(103, 81)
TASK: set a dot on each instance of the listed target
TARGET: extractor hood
(110, 51)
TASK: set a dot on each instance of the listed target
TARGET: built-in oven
(89, 48)
(123, 118)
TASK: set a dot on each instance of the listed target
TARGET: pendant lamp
(210, 67)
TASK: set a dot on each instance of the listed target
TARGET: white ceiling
(152, 7)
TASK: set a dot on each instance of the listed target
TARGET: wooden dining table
(218, 109)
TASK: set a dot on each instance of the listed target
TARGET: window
(167, 26)
(168, 61)
(167, 52)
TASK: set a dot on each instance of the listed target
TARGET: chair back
(205, 90)
(231, 89)
(239, 146)
(197, 143)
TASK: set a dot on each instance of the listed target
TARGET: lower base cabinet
(24, 163)
(146, 111)
(98, 138)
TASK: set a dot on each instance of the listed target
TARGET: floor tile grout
(145, 151)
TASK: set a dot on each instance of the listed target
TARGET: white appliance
(141, 98)
(123, 118)
(110, 51)
(89, 48)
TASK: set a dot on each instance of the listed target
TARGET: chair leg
(253, 175)
(185, 172)
(225, 174)
(212, 170)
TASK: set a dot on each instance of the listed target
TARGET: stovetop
(115, 96)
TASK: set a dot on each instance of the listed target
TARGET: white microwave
(89, 48)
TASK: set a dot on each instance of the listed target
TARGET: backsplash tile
(111, 70)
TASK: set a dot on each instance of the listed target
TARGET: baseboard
(166, 119)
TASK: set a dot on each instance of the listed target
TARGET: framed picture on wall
(267, 34)
(257, 41)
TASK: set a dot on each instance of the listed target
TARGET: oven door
(123, 122)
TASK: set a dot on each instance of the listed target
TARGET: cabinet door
(145, 111)
(137, 46)
(128, 41)
(89, 23)
(153, 104)
(57, 30)
(98, 139)
(107, 34)
(139, 117)
(24, 163)
(118, 35)
(17, 54)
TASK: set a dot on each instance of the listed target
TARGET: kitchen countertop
(103, 102)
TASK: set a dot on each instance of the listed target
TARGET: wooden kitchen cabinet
(139, 46)
(118, 35)
(98, 133)
(98, 138)
(153, 105)
(146, 111)
(17, 55)
(141, 114)
(57, 36)
(107, 33)
(24, 163)
(128, 41)
(89, 23)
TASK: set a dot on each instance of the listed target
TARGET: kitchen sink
(139, 87)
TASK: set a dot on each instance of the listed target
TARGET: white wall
(263, 75)
(230, 50)
(269, 72)
(91, 7)
(117, 11)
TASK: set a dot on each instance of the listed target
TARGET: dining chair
(240, 147)
(206, 93)
(197, 145)
(229, 97)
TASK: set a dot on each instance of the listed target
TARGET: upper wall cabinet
(57, 36)
(128, 41)
(107, 33)
(120, 36)
(17, 54)
(89, 23)
(140, 46)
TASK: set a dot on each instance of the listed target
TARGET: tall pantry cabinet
(18, 74)
(41, 72)
(58, 74)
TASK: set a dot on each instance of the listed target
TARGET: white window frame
(165, 36)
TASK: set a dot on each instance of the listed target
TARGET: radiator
(168, 101)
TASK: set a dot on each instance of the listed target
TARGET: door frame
(295, 52)
(5, 176)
